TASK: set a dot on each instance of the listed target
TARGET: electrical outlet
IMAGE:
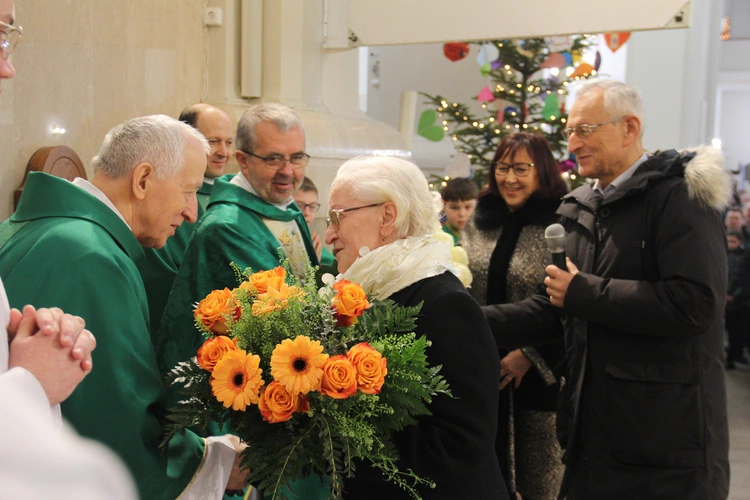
(213, 16)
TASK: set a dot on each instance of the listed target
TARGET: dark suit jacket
(454, 447)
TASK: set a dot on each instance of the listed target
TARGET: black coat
(643, 410)
(455, 446)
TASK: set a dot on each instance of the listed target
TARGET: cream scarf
(390, 268)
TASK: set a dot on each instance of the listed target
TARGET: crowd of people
(600, 380)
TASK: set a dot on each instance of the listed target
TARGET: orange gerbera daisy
(275, 299)
(236, 379)
(297, 364)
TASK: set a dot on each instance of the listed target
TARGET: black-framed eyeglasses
(583, 131)
(308, 206)
(9, 39)
(334, 216)
(519, 169)
(277, 162)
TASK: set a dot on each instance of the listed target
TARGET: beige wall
(87, 65)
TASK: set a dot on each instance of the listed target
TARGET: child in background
(459, 201)
(306, 198)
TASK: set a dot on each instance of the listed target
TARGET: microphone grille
(554, 231)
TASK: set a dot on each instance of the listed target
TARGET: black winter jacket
(643, 410)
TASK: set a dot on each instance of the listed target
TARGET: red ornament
(455, 51)
(616, 40)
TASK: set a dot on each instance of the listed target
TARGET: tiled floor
(738, 395)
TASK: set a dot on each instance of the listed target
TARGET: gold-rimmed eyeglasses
(583, 131)
(9, 39)
(520, 169)
(334, 216)
(277, 162)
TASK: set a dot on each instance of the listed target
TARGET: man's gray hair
(282, 116)
(156, 139)
(378, 179)
(620, 99)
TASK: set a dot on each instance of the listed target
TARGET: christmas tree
(528, 82)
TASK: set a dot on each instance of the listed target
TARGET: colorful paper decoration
(525, 53)
(486, 69)
(488, 53)
(496, 64)
(500, 116)
(428, 128)
(486, 95)
(616, 40)
(455, 51)
(576, 54)
(597, 60)
(583, 69)
(554, 60)
(568, 58)
(551, 107)
(559, 43)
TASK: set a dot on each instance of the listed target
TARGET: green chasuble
(233, 229)
(204, 196)
(326, 257)
(65, 248)
(159, 267)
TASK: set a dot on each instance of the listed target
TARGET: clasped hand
(55, 347)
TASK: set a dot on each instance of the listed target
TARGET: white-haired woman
(381, 220)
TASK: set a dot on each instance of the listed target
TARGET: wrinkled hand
(239, 476)
(557, 282)
(513, 366)
(317, 244)
(54, 346)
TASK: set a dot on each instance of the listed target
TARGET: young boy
(460, 200)
(306, 198)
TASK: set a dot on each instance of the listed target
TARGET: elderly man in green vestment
(83, 238)
(250, 216)
(159, 266)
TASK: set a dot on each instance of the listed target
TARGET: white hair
(378, 179)
(278, 114)
(156, 139)
(620, 99)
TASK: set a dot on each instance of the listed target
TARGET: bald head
(216, 126)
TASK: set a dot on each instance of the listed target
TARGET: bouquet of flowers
(313, 380)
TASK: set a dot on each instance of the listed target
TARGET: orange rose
(350, 302)
(339, 378)
(265, 279)
(371, 367)
(213, 310)
(213, 350)
(274, 299)
(276, 404)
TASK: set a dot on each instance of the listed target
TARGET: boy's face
(458, 212)
(733, 242)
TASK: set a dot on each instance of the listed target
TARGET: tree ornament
(583, 69)
(551, 107)
(455, 51)
(428, 128)
(616, 40)
(598, 60)
(487, 54)
(554, 60)
(486, 95)
(486, 69)
(568, 58)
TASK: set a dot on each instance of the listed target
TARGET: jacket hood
(706, 178)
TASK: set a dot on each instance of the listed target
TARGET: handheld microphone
(555, 237)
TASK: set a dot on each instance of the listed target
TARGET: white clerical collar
(240, 181)
(96, 192)
(209, 180)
